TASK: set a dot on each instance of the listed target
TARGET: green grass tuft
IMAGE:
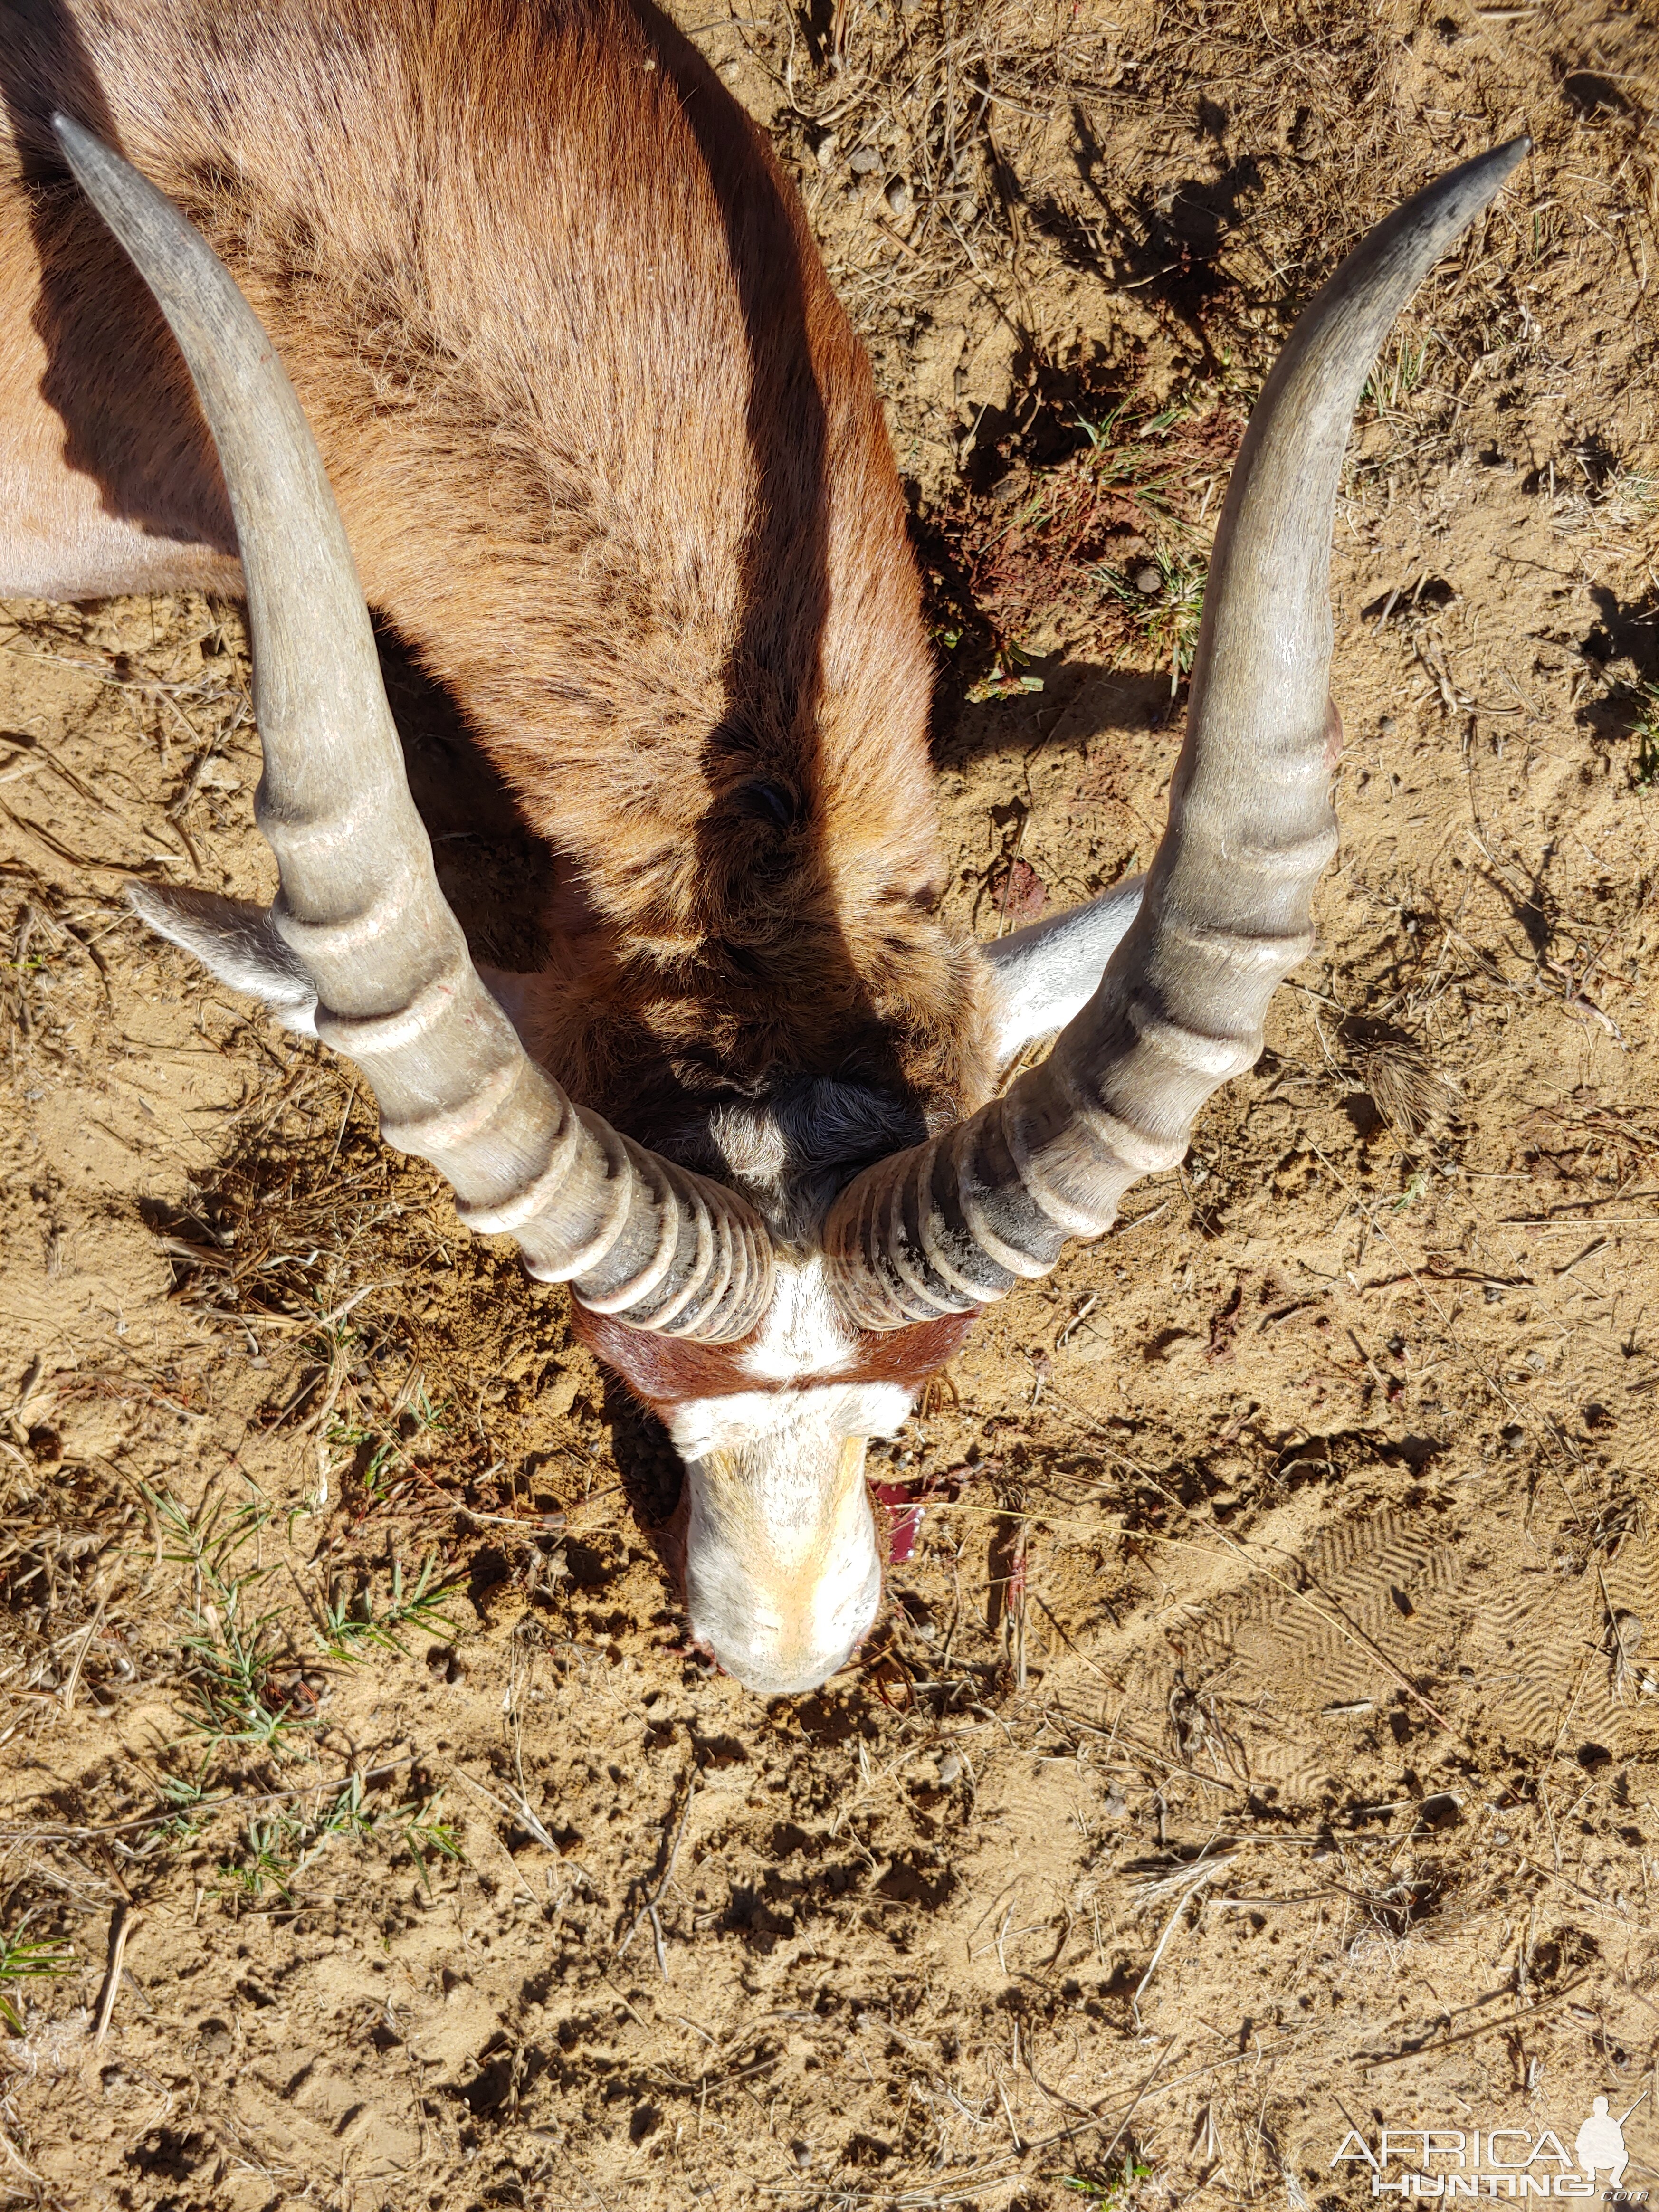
(1116, 2192)
(235, 1650)
(349, 1628)
(1167, 619)
(280, 1848)
(21, 1962)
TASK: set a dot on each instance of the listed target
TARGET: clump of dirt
(1259, 1745)
(1101, 550)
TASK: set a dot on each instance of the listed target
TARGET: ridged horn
(360, 906)
(1227, 910)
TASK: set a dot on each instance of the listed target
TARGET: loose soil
(1260, 1742)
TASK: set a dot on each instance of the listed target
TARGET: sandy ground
(1259, 1748)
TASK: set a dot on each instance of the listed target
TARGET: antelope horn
(1227, 913)
(360, 907)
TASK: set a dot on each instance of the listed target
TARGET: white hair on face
(837, 1412)
(783, 1570)
(791, 1155)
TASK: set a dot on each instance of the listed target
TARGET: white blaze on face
(782, 1566)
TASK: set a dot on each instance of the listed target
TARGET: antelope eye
(766, 802)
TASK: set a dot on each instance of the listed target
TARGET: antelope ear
(236, 941)
(1047, 971)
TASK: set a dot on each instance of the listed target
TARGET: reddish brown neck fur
(611, 460)
(665, 1371)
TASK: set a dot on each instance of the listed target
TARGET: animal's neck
(612, 462)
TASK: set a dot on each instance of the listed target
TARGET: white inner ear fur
(1049, 970)
(237, 941)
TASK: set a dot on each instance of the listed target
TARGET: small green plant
(235, 1651)
(350, 1628)
(193, 1806)
(22, 1961)
(1121, 461)
(1103, 435)
(1167, 616)
(1004, 680)
(422, 1836)
(282, 1848)
(1110, 2192)
(348, 1440)
(376, 1451)
(230, 1684)
(265, 1865)
(279, 1849)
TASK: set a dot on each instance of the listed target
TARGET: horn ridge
(1227, 910)
(359, 908)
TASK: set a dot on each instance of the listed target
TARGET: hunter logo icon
(1601, 2142)
(1499, 2161)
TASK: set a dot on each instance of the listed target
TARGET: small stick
(1468, 2034)
(80, 1659)
(1205, 1871)
(121, 1925)
(1129, 2109)
(1566, 1882)
(648, 1909)
(373, 1776)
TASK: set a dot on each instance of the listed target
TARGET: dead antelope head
(776, 1338)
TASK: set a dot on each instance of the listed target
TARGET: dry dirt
(1261, 1744)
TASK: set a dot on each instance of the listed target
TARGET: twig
(1353, 1632)
(648, 1909)
(79, 1660)
(121, 1925)
(1577, 1888)
(1205, 1870)
(1468, 2034)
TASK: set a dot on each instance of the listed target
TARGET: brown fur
(611, 460)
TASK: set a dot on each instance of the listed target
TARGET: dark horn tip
(1450, 201)
(1494, 166)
